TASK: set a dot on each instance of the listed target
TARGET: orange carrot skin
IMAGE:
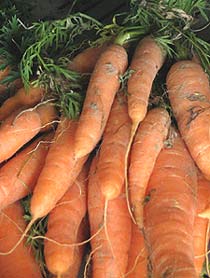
(137, 258)
(63, 225)
(111, 163)
(103, 85)
(18, 176)
(146, 62)
(147, 144)
(109, 259)
(201, 224)
(189, 94)
(59, 172)
(170, 212)
(21, 262)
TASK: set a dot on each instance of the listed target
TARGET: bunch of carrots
(123, 188)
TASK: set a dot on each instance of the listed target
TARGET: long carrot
(21, 262)
(110, 246)
(170, 212)
(189, 94)
(148, 142)
(111, 162)
(63, 225)
(22, 126)
(18, 176)
(103, 85)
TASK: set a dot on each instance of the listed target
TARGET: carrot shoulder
(103, 85)
(170, 212)
(189, 94)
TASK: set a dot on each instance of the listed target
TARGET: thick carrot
(104, 84)
(21, 98)
(109, 246)
(63, 225)
(18, 176)
(111, 162)
(147, 144)
(189, 94)
(137, 257)
(22, 126)
(200, 231)
(170, 212)
(21, 262)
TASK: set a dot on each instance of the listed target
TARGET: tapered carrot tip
(110, 192)
(205, 213)
(58, 263)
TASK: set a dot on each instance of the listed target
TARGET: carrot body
(63, 225)
(137, 257)
(59, 172)
(18, 176)
(170, 212)
(110, 246)
(189, 94)
(147, 144)
(21, 262)
(21, 127)
(111, 162)
(104, 84)
(147, 60)
(201, 225)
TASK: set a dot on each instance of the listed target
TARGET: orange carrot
(18, 176)
(104, 84)
(22, 126)
(189, 94)
(111, 162)
(109, 246)
(21, 262)
(21, 98)
(63, 225)
(200, 232)
(137, 257)
(170, 212)
(147, 144)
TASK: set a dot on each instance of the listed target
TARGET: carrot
(21, 262)
(103, 85)
(200, 232)
(170, 212)
(189, 94)
(22, 126)
(21, 98)
(111, 162)
(18, 176)
(110, 246)
(148, 142)
(63, 225)
(137, 257)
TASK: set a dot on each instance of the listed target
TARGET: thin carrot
(21, 262)
(18, 176)
(189, 94)
(111, 162)
(170, 212)
(110, 246)
(103, 85)
(63, 225)
(148, 142)
(22, 126)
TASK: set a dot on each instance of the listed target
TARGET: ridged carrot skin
(21, 262)
(63, 225)
(170, 213)
(111, 162)
(189, 94)
(146, 62)
(110, 246)
(19, 175)
(148, 142)
(103, 85)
